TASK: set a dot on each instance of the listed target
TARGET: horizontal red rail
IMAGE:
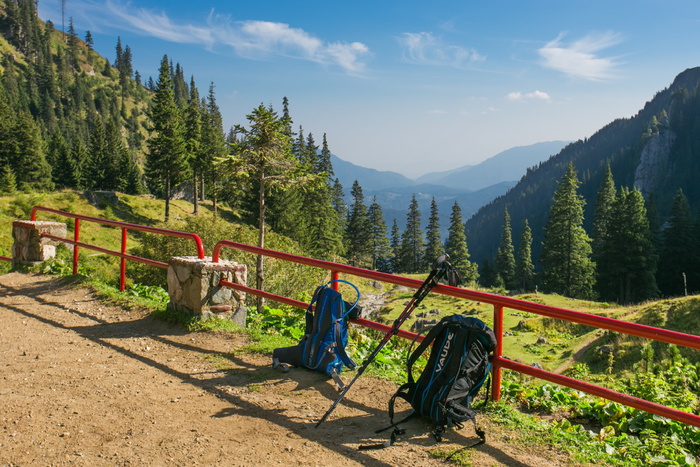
(126, 225)
(5, 258)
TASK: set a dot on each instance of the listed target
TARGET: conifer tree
(165, 162)
(456, 247)
(213, 144)
(395, 243)
(629, 275)
(264, 155)
(566, 249)
(433, 246)
(357, 232)
(505, 257)
(525, 267)
(31, 170)
(193, 142)
(412, 241)
(338, 202)
(8, 181)
(602, 220)
(678, 251)
(381, 248)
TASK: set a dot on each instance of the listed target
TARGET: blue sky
(411, 86)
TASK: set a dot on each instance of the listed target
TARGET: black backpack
(326, 334)
(459, 363)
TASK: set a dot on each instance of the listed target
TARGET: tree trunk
(167, 198)
(260, 275)
(194, 195)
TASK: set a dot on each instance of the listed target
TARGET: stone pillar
(29, 247)
(193, 286)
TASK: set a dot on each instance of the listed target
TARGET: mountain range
(471, 186)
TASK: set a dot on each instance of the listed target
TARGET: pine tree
(357, 232)
(8, 181)
(412, 241)
(433, 246)
(602, 221)
(456, 247)
(395, 243)
(629, 275)
(31, 170)
(193, 142)
(165, 162)
(338, 202)
(381, 248)
(505, 257)
(525, 267)
(213, 145)
(264, 155)
(678, 250)
(566, 249)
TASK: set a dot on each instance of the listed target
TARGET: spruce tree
(505, 257)
(338, 202)
(213, 145)
(8, 181)
(381, 248)
(602, 221)
(566, 249)
(395, 243)
(678, 251)
(433, 246)
(525, 267)
(165, 163)
(456, 247)
(629, 275)
(263, 155)
(357, 230)
(193, 142)
(412, 241)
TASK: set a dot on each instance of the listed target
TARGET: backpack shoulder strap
(429, 338)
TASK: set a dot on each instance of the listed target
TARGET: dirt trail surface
(84, 383)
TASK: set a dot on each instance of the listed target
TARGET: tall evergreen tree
(505, 257)
(629, 275)
(602, 221)
(213, 144)
(395, 243)
(525, 267)
(32, 171)
(677, 261)
(433, 245)
(193, 142)
(381, 248)
(456, 247)
(165, 163)
(264, 155)
(566, 249)
(357, 232)
(412, 241)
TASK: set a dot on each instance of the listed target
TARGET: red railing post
(122, 269)
(334, 277)
(76, 238)
(497, 353)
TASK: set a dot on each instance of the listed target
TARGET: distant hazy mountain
(369, 179)
(509, 165)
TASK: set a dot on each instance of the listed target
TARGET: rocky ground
(86, 383)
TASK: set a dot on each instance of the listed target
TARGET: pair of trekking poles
(441, 269)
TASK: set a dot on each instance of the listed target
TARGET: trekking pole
(440, 268)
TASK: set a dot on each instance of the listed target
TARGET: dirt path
(89, 384)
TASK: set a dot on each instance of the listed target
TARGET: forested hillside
(655, 151)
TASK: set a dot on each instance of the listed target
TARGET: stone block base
(29, 247)
(193, 286)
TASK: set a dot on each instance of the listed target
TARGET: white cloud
(580, 58)
(520, 97)
(425, 49)
(248, 39)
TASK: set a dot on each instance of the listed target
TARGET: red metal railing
(499, 303)
(125, 227)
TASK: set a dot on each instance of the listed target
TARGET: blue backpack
(323, 346)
